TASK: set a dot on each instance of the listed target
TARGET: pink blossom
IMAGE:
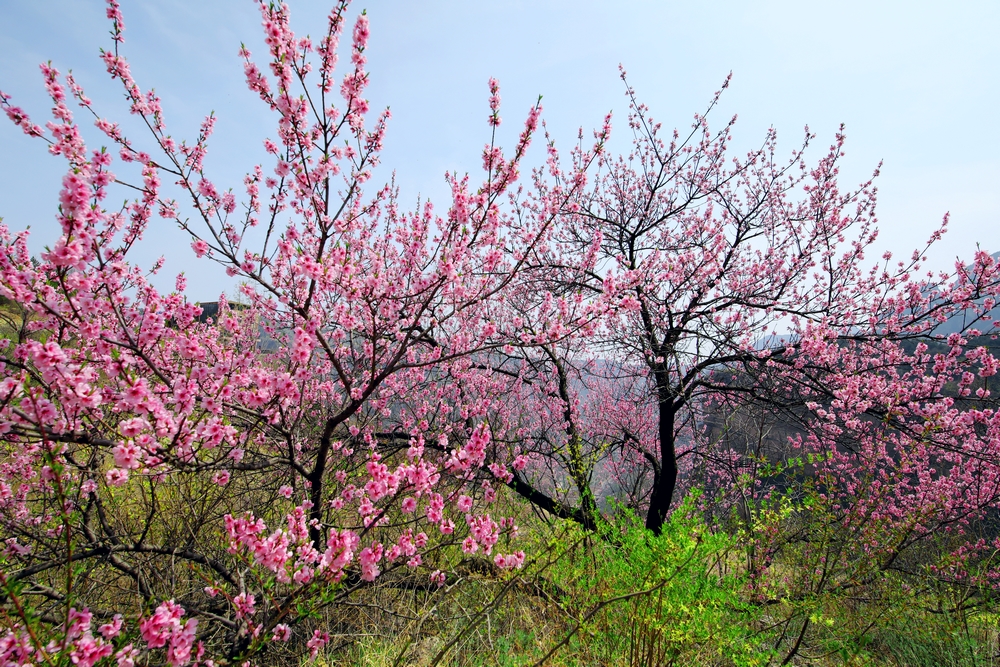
(316, 644)
(369, 557)
(200, 247)
(509, 561)
(244, 605)
(126, 656)
(160, 627)
(111, 630)
(116, 477)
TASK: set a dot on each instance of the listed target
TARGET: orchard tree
(746, 345)
(189, 488)
(741, 284)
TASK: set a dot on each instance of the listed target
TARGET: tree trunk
(666, 478)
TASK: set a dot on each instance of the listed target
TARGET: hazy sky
(916, 84)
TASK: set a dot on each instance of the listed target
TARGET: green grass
(628, 599)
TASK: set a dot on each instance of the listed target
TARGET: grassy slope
(581, 598)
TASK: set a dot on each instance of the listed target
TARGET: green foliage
(663, 600)
(783, 585)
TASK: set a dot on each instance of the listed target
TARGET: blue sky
(916, 83)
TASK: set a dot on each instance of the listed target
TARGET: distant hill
(967, 319)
